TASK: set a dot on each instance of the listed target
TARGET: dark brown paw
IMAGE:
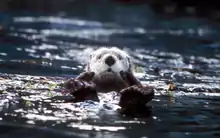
(86, 76)
(135, 97)
(81, 89)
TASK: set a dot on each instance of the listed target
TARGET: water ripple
(39, 53)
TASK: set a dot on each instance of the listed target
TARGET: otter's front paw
(135, 98)
(81, 89)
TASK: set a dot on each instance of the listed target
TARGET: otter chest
(109, 85)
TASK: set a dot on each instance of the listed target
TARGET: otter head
(107, 63)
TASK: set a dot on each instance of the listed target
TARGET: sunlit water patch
(46, 51)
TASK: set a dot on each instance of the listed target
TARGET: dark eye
(99, 57)
(119, 57)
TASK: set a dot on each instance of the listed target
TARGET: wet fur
(96, 64)
(85, 86)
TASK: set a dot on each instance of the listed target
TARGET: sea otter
(110, 69)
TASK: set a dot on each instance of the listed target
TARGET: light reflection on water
(58, 47)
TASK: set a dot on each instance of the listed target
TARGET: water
(40, 50)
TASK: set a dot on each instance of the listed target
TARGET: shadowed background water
(55, 44)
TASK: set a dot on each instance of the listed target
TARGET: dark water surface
(39, 51)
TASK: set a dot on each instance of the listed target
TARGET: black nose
(110, 61)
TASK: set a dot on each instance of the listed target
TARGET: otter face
(108, 62)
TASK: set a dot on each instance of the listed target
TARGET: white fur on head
(97, 60)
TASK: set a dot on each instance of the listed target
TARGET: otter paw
(81, 90)
(135, 97)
